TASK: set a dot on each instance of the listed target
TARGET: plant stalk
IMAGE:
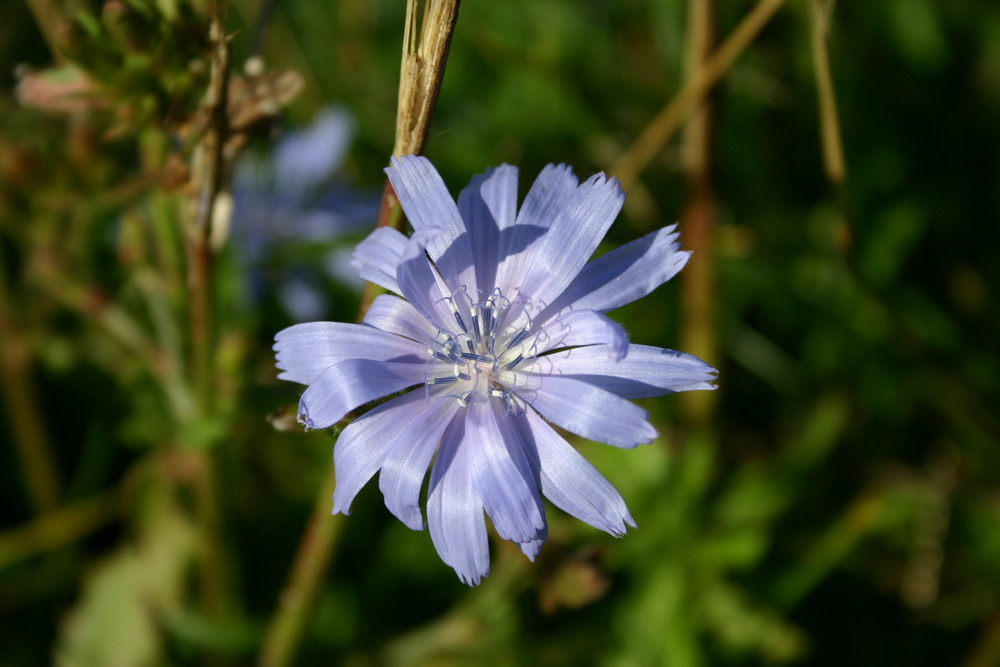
(697, 280)
(658, 132)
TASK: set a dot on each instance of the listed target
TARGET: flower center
(479, 358)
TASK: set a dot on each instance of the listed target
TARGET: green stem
(831, 548)
(207, 176)
(47, 15)
(24, 412)
(829, 121)
(56, 529)
(315, 550)
(833, 149)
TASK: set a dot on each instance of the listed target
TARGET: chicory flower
(495, 332)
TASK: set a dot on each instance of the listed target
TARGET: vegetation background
(835, 502)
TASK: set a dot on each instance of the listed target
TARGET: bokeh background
(835, 502)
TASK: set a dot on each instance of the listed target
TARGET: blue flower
(500, 335)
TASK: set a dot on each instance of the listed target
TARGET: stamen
(476, 332)
(469, 357)
(458, 316)
(449, 358)
(518, 338)
(488, 320)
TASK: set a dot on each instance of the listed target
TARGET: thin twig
(833, 150)
(829, 122)
(57, 528)
(207, 177)
(659, 130)
(23, 409)
(986, 651)
(46, 14)
(311, 562)
(207, 174)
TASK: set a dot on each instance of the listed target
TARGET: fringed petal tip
(472, 578)
(531, 548)
(337, 509)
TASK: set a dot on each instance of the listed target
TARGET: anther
(476, 332)
(518, 338)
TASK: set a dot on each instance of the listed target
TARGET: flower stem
(207, 178)
(833, 150)
(315, 550)
(47, 15)
(57, 528)
(23, 410)
(697, 295)
(830, 137)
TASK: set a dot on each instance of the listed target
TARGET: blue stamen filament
(486, 370)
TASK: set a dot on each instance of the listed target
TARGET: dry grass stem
(833, 147)
(697, 217)
(663, 126)
(422, 71)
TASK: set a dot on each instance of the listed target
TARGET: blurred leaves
(129, 596)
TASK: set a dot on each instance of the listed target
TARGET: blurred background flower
(293, 196)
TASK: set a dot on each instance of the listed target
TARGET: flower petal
(405, 467)
(572, 484)
(365, 442)
(427, 203)
(532, 547)
(420, 283)
(303, 351)
(504, 479)
(590, 412)
(625, 274)
(392, 314)
(547, 196)
(578, 228)
(454, 510)
(352, 383)
(645, 371)
(488, 205)
(377, 257)
(553, 187)
(584, 327)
